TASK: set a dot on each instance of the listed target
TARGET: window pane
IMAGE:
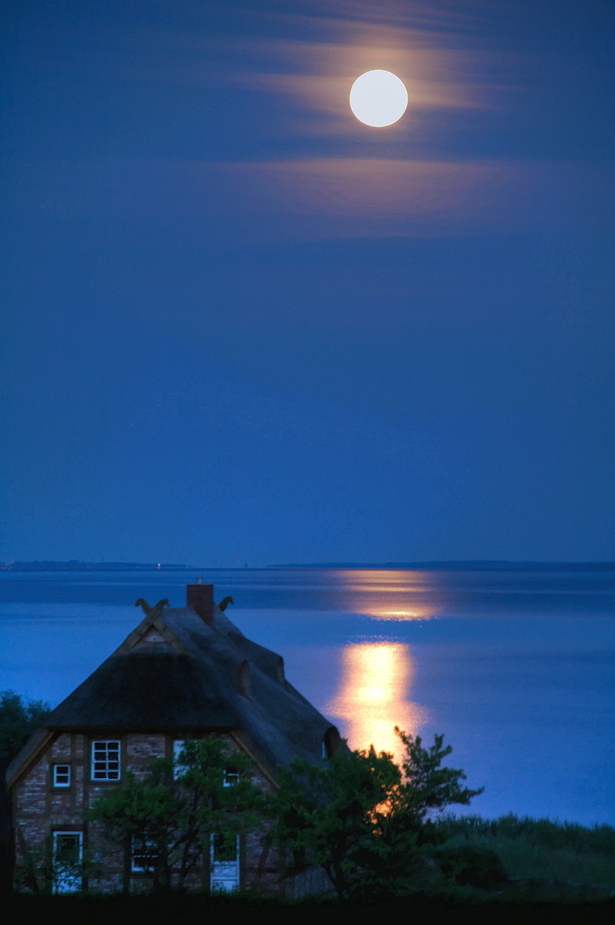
(67, 847)
(106, 760)
(231, 776)
(225, 848)
(178, 767)
(61, 775)
(144, 855)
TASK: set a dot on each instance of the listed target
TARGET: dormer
(331, 742)
(244, 685)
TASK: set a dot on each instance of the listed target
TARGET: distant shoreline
(481, 565)
(77, 566)
(478, 565)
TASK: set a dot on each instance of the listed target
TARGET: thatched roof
(176, 674)
(147, 690)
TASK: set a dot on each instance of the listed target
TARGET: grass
(539, 848)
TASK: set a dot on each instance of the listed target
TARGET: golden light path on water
(372, 697)
(389, 595)
(416, 612)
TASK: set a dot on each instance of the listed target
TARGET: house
(182, 673)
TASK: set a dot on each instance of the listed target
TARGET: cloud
(316, 75)
(312, 58)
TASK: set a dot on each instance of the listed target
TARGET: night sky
(240, 327)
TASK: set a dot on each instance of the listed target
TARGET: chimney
(201, 598)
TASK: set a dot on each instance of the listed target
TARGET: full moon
(378, 98)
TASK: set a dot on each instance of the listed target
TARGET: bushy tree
(426, 788)
(362, 818)
(327, 816)
(169, 816)
(402, 828)
(19, 718)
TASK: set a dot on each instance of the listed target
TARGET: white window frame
(224, 876)
(57, 770)
(112, 750)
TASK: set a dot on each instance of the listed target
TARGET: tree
(424, 790)
(362, 817)
(18, 720)
(426, 787)
(168, 817)
(325, 816)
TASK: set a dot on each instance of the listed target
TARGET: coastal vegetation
(539, 851)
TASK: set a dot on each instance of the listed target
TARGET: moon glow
(378, 98)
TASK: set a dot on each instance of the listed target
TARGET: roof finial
(154, 611)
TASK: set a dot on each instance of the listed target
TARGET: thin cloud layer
(316, 76)
(329, 197)
(279, 86)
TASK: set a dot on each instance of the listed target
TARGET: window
(178, 767)
(231, 776)
(224, 862)
(144, 855)
(60, 775)
(67, 856)
(106, 760)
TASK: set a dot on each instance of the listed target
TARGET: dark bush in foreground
(471, 865)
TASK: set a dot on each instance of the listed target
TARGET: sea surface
(516, 668)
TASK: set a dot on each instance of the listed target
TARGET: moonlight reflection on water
(372, 699)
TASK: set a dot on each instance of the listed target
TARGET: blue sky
(239, 326)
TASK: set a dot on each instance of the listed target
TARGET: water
(516, 668)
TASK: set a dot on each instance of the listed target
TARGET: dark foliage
(182, 909)
(471, 865)
(363, 818)
(18, 720)
(549, 835)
